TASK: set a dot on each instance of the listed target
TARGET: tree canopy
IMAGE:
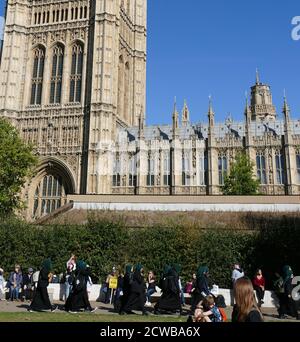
(241, 179)
(16, 163)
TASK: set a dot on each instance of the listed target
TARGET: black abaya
(41, 299)
(135, 298)
(78, 298)
(170, 299)
(200, 292)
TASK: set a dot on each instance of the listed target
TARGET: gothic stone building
(73, 82)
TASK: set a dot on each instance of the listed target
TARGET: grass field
(65, 317)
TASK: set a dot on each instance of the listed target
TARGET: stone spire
(248, 113)
(141, 124)
(257, 77)
(185, 119)
(286, 110)
(211, 114)
(175, 120)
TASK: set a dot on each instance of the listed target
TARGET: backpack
(223, 314)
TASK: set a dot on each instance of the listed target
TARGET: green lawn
(66, 317)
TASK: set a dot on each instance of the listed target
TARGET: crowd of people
(133, 291)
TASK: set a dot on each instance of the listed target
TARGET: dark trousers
(260, 293)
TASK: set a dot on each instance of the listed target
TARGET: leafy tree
(241, 180)
(16, 162)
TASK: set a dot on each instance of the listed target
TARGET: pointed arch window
(76, 73)
(37, 77)
(280, 174)
(186, 170)
(50, 195)
(261, 168)
(57, 74)
(222, 168)
(167, 169)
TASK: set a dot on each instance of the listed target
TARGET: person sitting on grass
(208, 311)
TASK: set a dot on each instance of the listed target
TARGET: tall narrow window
(85, 11)
(37, 77)
(57, 74)
(151, 172)
(50, 195)
(261, 168)
(76, 73)
(167, 169)
(117, 172)
(186, 176)
(202, 170)
(298, 166)
(279, 168)
(132, 171)
(222, 167)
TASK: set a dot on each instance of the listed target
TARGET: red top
(259, 281)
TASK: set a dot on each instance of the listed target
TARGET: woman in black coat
(127, 280)
(287, 304)
(41, 299)
(170, 299)
(78, 299)
(201, 289)
(135, 298)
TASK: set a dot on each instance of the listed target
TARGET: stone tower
(72, 73)
(261, 102)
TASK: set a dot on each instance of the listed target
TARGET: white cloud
(1, 27)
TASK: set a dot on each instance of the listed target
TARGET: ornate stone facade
(72, 72)
(193, 159)
(73, 79)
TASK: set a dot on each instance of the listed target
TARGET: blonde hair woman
(246, 308)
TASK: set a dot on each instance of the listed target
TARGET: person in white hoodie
(2, 283)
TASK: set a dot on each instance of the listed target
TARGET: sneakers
(91, 310)
(148, 304)
(29, 310)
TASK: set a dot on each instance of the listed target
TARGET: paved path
(270, 315)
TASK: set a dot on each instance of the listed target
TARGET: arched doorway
(49, 189)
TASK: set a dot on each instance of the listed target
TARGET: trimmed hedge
(104, 244)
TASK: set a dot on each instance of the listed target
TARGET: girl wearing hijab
(170, 299)
(288, 305)
(78, 299)
(246, 308)
(127, 280)
(135, 298)
(41, 299)
(201, 287)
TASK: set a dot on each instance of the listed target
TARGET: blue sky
(197, 48)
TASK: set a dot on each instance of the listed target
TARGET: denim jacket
(19, 279)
